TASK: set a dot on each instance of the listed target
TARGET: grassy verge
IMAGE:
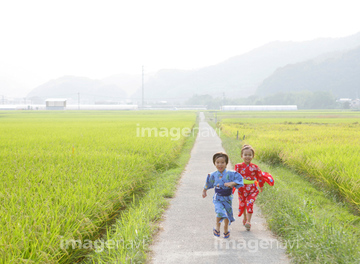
(128, 240)
(319, 227)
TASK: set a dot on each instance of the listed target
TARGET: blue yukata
(223, 195)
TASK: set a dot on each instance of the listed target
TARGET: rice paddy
(66, 174)
(324, 146)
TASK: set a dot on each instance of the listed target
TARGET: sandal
(227, 235)
(247, 226)
(244, 221)
(216, 233)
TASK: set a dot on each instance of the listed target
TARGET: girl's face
(247, 156)
(220, 164)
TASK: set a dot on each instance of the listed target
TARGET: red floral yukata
(248, 193)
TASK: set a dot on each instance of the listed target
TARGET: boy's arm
(204, 193)
(238, 180)
(230, 184)
(208, 184)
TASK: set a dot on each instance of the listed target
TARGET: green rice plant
(326, 152)
(128, 239)
(66, 174)
(313, 225)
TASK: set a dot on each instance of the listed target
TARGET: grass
(64, 175)
(315, 223)
(326, 152)
(324, 229)
(132, 233)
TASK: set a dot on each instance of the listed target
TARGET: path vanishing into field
(185, 234)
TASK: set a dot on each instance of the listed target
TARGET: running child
(223, 181)
(254, 180)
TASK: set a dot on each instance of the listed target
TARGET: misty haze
(179, 132)
(312, 75)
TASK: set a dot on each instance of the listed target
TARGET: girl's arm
(237, 167)
(259, 178)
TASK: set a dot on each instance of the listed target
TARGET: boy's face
(220, 164)
(247, 155)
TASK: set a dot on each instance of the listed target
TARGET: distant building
(342, 100)
(55, 104)
(7, 107)
(349, 103)
(102, 107)
(259, 108)
(355, 104)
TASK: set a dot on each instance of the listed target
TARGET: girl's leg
(249, 217)
(242, 205)
(250, 200)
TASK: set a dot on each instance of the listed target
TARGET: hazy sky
(47, 39)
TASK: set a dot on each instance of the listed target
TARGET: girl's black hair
(247, 147)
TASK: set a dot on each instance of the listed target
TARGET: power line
(142, 86)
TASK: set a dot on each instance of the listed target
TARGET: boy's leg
(217, 225)
(226, 225)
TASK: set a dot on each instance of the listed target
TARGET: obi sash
(248, 181)
(223, 192)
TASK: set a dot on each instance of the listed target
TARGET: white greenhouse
(259, 108)
(55, 104)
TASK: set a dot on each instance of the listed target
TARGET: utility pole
(142, 103)
(78, 101)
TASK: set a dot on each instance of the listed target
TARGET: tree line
(303, 100)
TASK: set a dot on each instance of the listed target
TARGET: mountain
(127, 82)
(167, 85)
(338, 73)
(239, 76)
(72, 87)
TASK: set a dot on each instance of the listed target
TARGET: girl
(223, 181)
(254, 180)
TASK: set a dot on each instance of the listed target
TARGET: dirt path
(186, 235)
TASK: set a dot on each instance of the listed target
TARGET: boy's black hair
(221, 155)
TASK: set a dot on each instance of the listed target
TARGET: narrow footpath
(185, 234)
